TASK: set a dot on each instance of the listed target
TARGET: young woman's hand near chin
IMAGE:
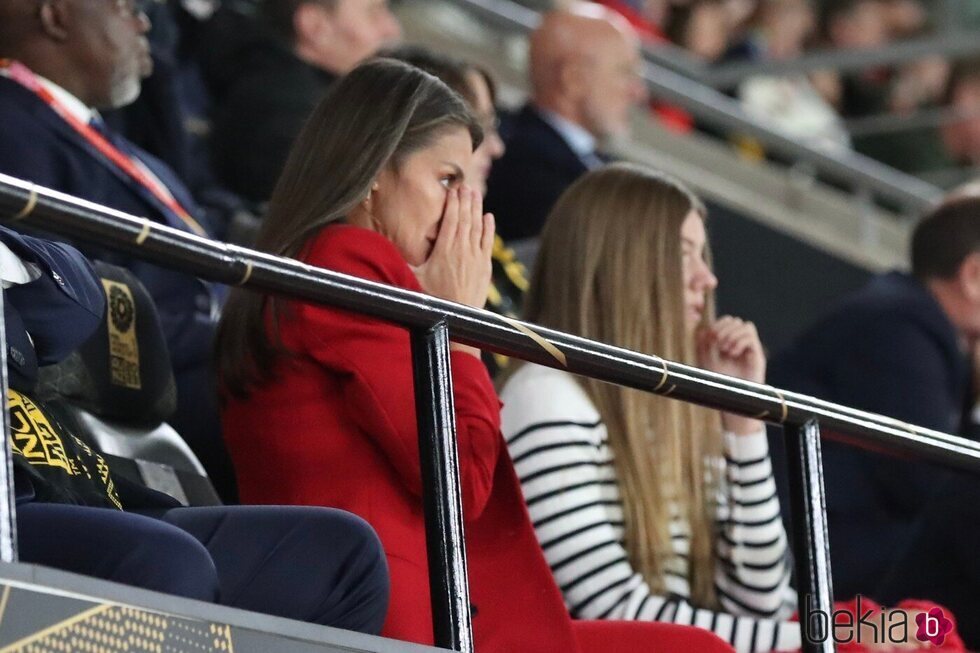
(459, 267)
(731, 346)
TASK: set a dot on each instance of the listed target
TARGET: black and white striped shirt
(560, 451)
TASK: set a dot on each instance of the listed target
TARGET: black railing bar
(404, 307)
(443, 505)
(231, 264)
(206, 258)
(809, 509)
(722, 112)
(819, 406)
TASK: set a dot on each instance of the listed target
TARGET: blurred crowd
(597, 517)
(920, 117)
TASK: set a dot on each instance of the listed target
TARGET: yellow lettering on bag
(32, 435)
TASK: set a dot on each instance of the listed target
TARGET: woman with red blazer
(319, 403)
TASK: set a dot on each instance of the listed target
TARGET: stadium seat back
(117, 390)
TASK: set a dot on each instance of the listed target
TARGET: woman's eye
(448, 181)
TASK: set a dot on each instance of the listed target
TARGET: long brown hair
(451, 70)
(609, 268)
(375, 116)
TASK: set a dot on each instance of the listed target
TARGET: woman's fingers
(476, 219)
(489, 230)
(465, 217)
(732, 332)
(450, 223)
(739, 346)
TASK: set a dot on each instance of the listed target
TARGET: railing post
(812, 546)
(8, 515)
(441, 498)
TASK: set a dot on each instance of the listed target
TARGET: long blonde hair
(609, 268)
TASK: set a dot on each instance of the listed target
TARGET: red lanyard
(21, 74)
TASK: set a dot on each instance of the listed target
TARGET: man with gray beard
(61, 61)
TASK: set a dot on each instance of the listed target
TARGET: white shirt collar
(577, 137)
(69, 102)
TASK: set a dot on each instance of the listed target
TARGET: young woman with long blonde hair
(647, 508)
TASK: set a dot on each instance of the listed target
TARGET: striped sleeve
(753, 574)
(557, 443)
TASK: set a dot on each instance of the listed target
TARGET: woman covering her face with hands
(647, 509)
(319, 405)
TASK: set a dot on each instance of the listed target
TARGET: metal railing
(432, 322)
(728, 75)
(719, 111)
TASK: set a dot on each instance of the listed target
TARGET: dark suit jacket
(889, 349)
(36, 145)
(535, 170)
(259, 117)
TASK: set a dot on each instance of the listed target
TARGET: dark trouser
(198, 421)
(312, 564)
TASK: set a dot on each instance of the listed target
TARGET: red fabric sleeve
(374, 360)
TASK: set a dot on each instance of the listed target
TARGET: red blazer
(337, 428)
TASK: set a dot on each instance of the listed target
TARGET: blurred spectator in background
(171, 117)
(584, 80)
(904, 18)
(898, 347)
(646, 16)
(284, 73)
(857, 24)
(875, 93)
(61, 68)
(702, 27)
(779, 30)
(961, 135)
(915, 148)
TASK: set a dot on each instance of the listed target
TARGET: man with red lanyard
(61, 61)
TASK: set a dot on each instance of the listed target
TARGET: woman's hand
(459, 267)
(731, 346)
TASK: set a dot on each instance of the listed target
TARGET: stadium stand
(795, 226)
(229, 264)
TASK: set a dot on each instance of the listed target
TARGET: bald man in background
(584, 71)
